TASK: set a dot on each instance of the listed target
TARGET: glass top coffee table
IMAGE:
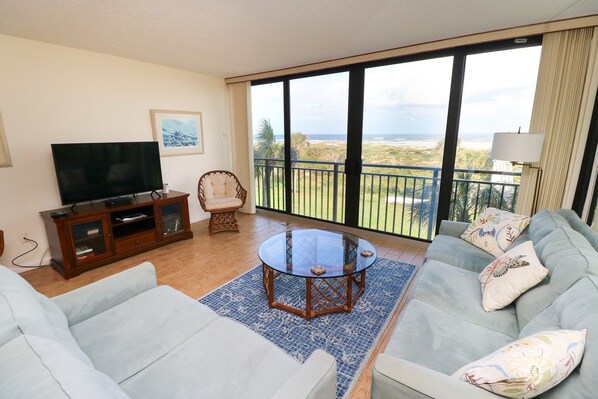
(341, 258)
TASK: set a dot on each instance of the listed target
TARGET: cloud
(411, 97)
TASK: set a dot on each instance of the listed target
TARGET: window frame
(583, 204)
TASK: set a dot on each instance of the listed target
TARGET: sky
(412, 98)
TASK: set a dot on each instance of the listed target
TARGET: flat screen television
(92, 171)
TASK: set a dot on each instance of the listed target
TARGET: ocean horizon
(390, 137)
(467, 140)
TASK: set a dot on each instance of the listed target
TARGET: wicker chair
(220, 193)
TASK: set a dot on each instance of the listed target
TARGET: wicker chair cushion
(216, 203)
(219, 185)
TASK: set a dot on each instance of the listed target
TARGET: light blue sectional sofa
(444, 327)
(124, 336)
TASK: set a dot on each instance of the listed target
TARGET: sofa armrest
(316, 379)
(97, 297)
(397, 378)
(451, 228)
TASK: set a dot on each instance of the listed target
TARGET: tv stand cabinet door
(90, 240)
(173, 218)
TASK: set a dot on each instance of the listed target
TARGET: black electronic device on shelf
(112, 202)
(59, 214)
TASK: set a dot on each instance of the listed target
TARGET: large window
(268, 145)
(498, 95)
(395, 145)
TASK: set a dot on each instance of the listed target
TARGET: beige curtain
(557, 105)
(239, 98)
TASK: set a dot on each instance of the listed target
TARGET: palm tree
(423, 211)
(268, 149)
(468, 200)
(266, 141)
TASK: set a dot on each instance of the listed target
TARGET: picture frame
(5, 160)
(177, 132)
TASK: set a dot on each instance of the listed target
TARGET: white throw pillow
(529, 366)
(494, 230)
(510, 275)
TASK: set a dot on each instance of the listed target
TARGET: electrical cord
(25, 253)
(42, 258)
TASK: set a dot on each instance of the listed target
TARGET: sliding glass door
(498, 95)
(404, 124)
(268, 145)
(396, 145)
(318, 116)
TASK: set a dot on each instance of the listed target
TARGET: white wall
(54, 94)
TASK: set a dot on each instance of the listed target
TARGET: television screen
(91, 171)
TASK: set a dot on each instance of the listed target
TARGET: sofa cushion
(494, 230)
(545, 222)
(457, 292)
(529, 366)
(579, 225)
(36, 367)
(568, 256)
(132, 335)
(510, 275)
(575, 309)
(456, 252)
(224, 360)
(435, 339)
(21, 310)
(25, 311)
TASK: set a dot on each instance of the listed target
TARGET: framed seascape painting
(4, 154)
(177, 132)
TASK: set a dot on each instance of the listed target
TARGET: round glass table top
(296, 252)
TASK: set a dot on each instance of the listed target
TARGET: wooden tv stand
(93, 234)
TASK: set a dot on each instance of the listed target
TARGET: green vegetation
(398, 200)
(266, 142)
(372, 153)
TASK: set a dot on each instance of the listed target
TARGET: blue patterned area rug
(349, 337)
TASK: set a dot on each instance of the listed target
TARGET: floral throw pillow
(494, 230)
(510, 275)
(529, 366)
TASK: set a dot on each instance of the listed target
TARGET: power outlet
(23, 237)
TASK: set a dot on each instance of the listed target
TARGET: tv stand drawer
(135, 241)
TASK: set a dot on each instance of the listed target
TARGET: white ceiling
(236, 37)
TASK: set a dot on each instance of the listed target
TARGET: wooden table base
(322, 295)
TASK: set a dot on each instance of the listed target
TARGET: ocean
(478, 141)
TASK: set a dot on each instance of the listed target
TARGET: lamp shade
(517, 147)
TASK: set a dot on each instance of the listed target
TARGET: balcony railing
(397, 199)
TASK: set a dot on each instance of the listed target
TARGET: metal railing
(397, 199)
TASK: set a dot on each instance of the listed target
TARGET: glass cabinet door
(171, 220)
(90, 239)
